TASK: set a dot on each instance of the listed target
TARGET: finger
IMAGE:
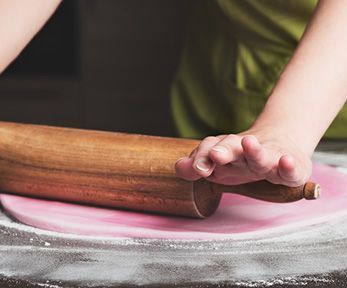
(227, 150)
(202, 163)
(258, 160)
(193, 153)
(184, 169)
(232, 175)
(288, 171)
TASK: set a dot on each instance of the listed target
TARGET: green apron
(234, 52)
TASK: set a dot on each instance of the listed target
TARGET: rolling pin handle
(311, 191)
(266, 191)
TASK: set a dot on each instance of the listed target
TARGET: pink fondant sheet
(237, 215)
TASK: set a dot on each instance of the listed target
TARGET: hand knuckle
(210, 139)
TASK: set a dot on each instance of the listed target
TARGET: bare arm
(19, 22)
(313, 86)
(307, 97)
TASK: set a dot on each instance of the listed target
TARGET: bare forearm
(313, 86)
(19, 22)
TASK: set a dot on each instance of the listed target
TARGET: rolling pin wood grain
(118, 170)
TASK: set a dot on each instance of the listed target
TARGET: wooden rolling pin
(119, 170)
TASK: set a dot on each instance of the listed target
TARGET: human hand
(246, 157)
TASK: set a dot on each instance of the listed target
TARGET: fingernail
(220, 149)
(203, 164)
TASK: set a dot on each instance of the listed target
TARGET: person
(237, 53)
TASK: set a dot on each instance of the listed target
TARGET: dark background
(100, 64)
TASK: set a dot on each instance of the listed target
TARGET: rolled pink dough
(236, 215)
